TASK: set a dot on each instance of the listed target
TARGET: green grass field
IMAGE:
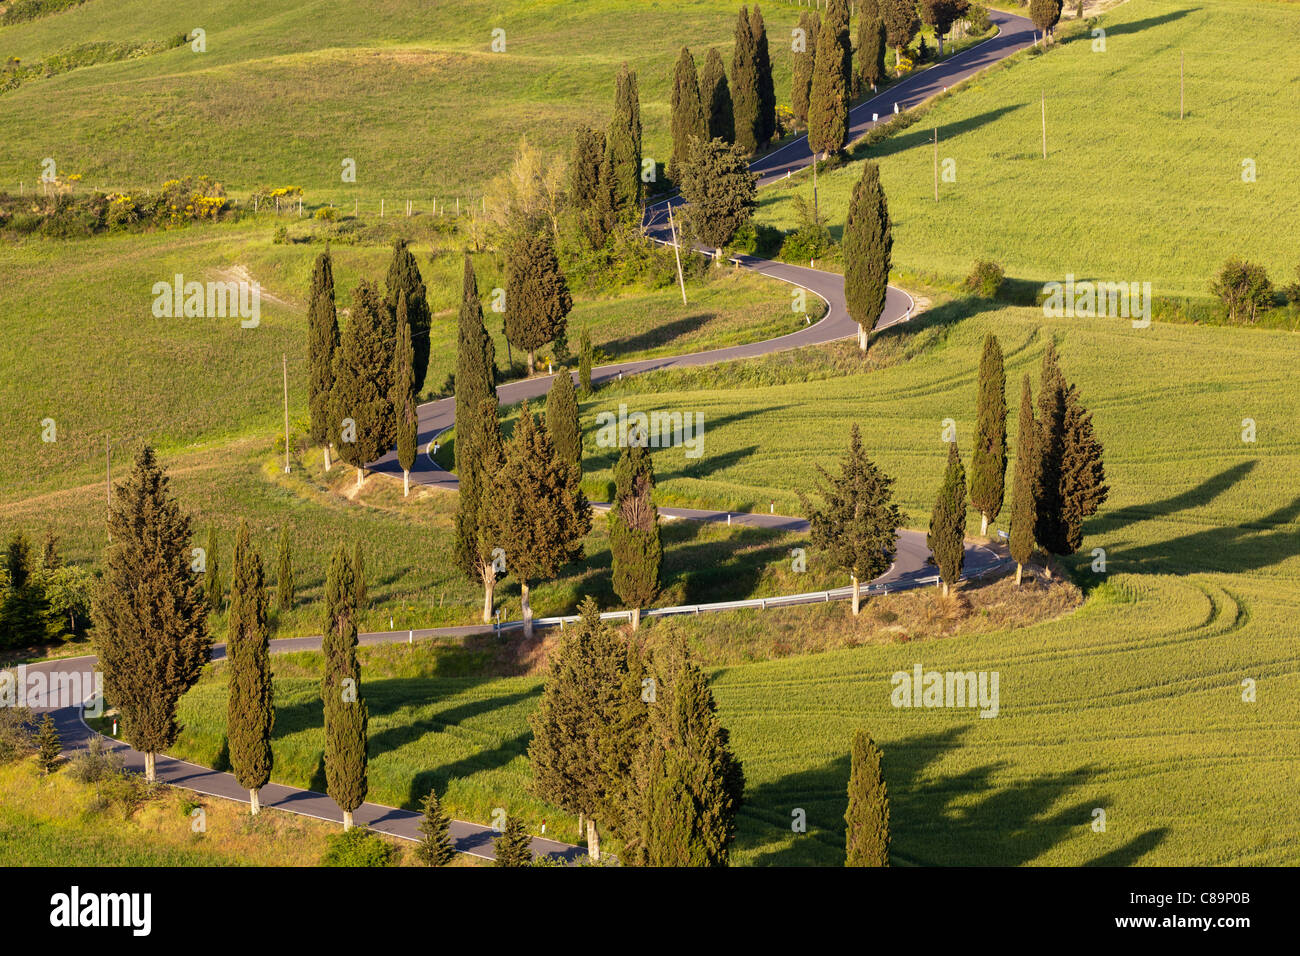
(1128, 192)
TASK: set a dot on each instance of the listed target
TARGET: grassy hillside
(287, 90)
(1128, 192)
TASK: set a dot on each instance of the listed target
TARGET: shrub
(16, 736)
(985, 279)
(977, 18)
(756, 240)
(1244, 289)
(326, 214)
(128, 791)
(94, 764)
(359, 847)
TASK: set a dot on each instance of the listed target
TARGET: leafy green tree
(1024, 507)
(150, 613)
(868, 247)
(867, 838)
(48, 745)
(1244, 288)
(745, 86)
(766, 85)
(715, 97)
(435, 847)
(588, 725)
(940, 16)
(514, 846)
(947, 536)
(688, 120)
(404, 279)
(720, 190)
(810, 22)
(537, 295)
(481, 454)
(213, 586)
(363, 381)
(857, 525)
(634, 543)
(562, 419)
(250, 711)
(404, 403)
(623, 148)
(989, 462)
(536, 511)
(1045, 14)
(901, 25)
(284, 576)
(322, 343)
(346, 715)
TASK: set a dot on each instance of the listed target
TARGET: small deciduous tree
(1244, 288)
(901, 25)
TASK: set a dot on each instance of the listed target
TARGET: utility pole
(1044, 124)
(1182, 71)
(108, 482)
(936, 164)
(284, 359)
(677, 252)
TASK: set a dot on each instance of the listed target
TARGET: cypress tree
(828, 101)
(946, 538)
(867, 839)
(623, 147)
(213, 586)
(720, 190)
(514, 846)
(476, 361)
(363, 381)
(150, 613)
(23, 611)
(403, 398)
(871, 52)
(766, 86)
(838, 11)
(359, 578)
(901, 24)
(1024, 508)
(250, 712)
(537, 295)
(868, 246)
(989, 461)
(322, 342)
(562, 419)
(284, 576)
(634, 543)
(745, 87)
(404, 277)
(688, 121)
(604, 215)
(1083, 473)
(1049, 529)
(481, 454)
(50, 558)
(810, 22)
(588, 725)
(49, 745)
(591, 185)
(715, 97)
(686, 751)
(435, 847)
(584, 363)
(857, 525)
(346, 715)
(537, 512)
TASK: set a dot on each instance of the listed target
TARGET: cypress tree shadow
(657, 336)
(1146, 23)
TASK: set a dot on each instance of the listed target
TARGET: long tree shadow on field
(491, 759)
(922, 137)
(963, 819)
(1146, 23)
(659, 335)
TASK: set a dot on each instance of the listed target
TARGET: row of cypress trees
(214, 583)
(605, 181)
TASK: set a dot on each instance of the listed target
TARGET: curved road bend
(1016, 33)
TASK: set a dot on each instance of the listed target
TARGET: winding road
(1015, 33)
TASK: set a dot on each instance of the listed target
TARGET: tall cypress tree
(435, 847)
(686, 752)
(1083, 474)
(23, 611)
(346, 715)
(591, 185)
(536, 510)
(476, 361)
(868, 248)
(584, 363)
(250, 711)
(404, 277)
(1024, 508)
(363, 381)
(989, 461)
(1050, 529)
(284, 584)
(213, 586)
(766, 86)
(715, 97)
(801, 71)
(635, 546)
(588, 725)
(871, 52)
(150, 613)
(688, 121)
(946, 538)
(838, 11)
(867, 839)
(403, 398)
(562, 419)
(623, 147)
(360, 582)
(828, 102)
(858, 523)
(322, 342)
(744, 86)
(537, 295)
(481, 454)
